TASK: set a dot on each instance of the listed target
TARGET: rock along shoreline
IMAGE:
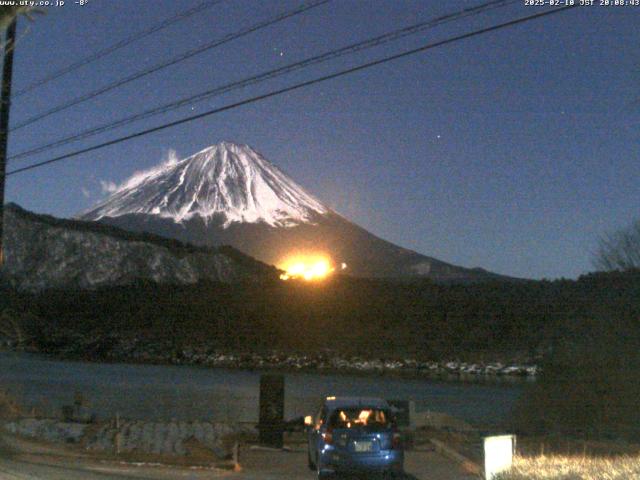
(137, 351)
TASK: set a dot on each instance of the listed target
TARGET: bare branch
(619, 250)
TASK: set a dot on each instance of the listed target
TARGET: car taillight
(328, 436)
(396, 440)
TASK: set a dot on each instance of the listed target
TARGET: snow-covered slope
(226, 180)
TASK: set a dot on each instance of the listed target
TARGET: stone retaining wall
(172, 438)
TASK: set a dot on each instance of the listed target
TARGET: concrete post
(271, 420)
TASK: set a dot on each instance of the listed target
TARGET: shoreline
(444, 371)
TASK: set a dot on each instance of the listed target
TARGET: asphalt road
(20, 460)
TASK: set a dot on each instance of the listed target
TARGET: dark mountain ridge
(42, 251)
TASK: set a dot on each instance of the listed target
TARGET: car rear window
(359, 417)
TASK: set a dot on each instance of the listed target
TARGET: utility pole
(5, 103)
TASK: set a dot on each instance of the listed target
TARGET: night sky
(513, 151)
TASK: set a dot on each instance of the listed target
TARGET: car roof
(348, 402)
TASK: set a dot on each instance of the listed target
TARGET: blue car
(354, 435)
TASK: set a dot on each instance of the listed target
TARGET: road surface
(25, 460)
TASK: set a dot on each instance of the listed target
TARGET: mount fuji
(229, 194)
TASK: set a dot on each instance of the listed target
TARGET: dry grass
(562, 467)
(9, 407)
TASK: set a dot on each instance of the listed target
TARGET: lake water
(155, 392)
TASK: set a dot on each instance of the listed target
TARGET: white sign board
(498, 454)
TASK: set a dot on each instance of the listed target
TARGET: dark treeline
(355, 316)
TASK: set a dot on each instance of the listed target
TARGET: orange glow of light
(307, 267)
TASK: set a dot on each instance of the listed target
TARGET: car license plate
(362, 446)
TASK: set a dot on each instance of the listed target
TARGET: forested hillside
(354, 316)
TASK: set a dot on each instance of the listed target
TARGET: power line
(297, 86)
(117, 46)
(184, 56)
(268, 75)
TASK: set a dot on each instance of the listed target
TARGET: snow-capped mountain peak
(230, 180)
